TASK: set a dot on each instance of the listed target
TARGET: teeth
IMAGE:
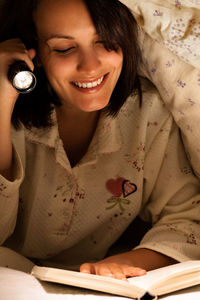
(89, 85)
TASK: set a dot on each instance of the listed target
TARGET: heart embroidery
(121, 186)
(128, 188)
(115, 186)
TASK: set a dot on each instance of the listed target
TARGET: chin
(95, 106)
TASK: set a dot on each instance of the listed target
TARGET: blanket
(170, 45)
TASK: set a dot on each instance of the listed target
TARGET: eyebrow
(58, 36)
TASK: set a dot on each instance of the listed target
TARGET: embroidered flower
(119, 187)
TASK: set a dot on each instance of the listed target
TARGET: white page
(88, 281)
(192, 293)
(153, 277)
(17, 285)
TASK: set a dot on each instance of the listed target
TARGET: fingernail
(109, 275)
(142, 272)
(125, 279)
(85, 271)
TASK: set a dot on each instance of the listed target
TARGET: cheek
(119, 62)
(56, 68)
(53, 66)
(115, 60)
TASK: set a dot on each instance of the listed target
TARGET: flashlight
(21, 77)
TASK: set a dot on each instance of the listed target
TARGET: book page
(157, 282)
(17, 285)
(166, 279)
(88, 281)
(192, 293)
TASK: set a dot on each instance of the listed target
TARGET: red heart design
(115, 186)
(128, 188)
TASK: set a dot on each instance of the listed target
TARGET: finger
(118, 272)
(18, 51)
(87, 268)
(133, 271)
(103, 270)
(31, 53)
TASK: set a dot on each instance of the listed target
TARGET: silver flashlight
(21, 77)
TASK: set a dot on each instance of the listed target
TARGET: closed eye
(64, 50)
(100, 42)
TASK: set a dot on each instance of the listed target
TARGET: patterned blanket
(170, 44)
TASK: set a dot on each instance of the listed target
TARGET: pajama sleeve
(9, 194)
(171, 198)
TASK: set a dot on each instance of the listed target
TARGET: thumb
(31, 53)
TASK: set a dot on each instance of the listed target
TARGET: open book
(154, 283)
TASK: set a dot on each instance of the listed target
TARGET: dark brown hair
(116, 27)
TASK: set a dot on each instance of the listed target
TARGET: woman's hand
(111, 269)
(128, 264)
(117, 266)
(10, 51)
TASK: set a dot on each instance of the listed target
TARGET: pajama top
(134, 165)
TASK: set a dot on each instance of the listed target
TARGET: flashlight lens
(23, 80)
(21, 77)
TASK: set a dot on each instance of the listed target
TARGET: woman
(84, 158)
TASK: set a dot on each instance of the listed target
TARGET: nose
(89, 61)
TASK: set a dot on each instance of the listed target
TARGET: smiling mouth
(89, 85)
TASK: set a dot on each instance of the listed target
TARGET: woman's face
(80, 70)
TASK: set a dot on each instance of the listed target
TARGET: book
(155, 283)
